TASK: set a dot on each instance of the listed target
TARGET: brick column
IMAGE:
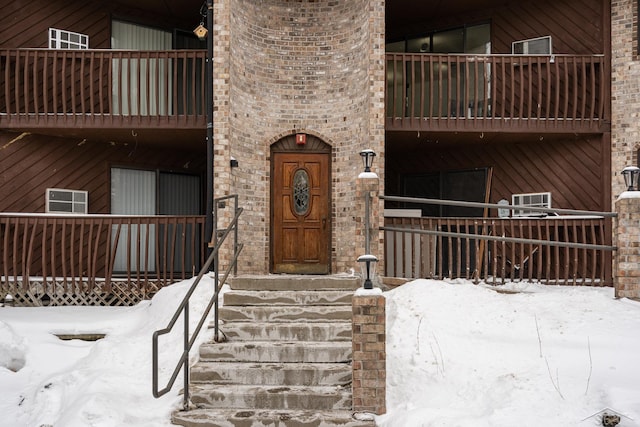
(369, 352)
(626, 261)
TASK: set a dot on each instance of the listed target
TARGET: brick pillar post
(626, 261)
(369, 352)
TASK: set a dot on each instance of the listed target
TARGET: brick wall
(285, 67)
(626, 269)
(625, 90)
(625, 141)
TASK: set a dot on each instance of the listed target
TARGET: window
(62, 39)
(150, 192)
(466, 39)
(541, 200)
(143, 86)
(59, 200)
(465, 185)
(535, 46)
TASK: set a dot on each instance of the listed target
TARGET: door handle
(324, 222)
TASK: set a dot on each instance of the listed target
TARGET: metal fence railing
(570, 247)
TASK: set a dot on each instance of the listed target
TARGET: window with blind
(150, 192)
(141, 86)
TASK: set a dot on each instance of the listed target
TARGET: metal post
(367, 238)
(209, 101)
(235, 235)
(215, 271)
(185, 355)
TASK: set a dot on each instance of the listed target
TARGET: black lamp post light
(631, 174)
(368, 268)
(367, 158)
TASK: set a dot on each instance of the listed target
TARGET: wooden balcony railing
(496, 92)
(97, 255)
(102, 88)
(412, 255)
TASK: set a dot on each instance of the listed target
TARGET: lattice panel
(57, 293)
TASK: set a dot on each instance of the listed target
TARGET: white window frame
(77, 201)
(63, 39)
(537, 200)
(525, 46)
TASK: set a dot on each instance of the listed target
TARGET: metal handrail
(487, 237)
(501, 238)
(497, 206)
(183, 308)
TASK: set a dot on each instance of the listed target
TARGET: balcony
(102, 89)
(96, 259)
(497, 93)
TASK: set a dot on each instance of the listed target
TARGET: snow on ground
(465, 355)
(458, 354)
(103, 383)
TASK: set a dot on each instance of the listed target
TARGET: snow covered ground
(458, 354)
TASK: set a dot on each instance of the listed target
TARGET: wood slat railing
(492, 92)
(412, 255)
(92, 86)
(80, 253)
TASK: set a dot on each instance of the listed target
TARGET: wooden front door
(300, 200)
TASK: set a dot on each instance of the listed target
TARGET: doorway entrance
(301, 208)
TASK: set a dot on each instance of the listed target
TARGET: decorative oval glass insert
(301, 192)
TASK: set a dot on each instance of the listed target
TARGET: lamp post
(367, 158)
(630, 174)
(367, 262)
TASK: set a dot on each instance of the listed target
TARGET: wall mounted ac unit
(60, 200)
(535, 46)
(534, 200)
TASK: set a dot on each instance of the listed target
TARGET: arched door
(300, 203)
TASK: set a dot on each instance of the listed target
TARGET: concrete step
(279, 352)
(287, 358)
(265, 418)
(319, 398)
(284, 374)
(275, 282)
(283, 298)
(289, 331)
(286, 313)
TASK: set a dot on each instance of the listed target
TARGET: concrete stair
(287, 358)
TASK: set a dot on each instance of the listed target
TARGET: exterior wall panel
(33, 163)
(569, 167)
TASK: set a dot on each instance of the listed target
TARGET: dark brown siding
(25, 23)
(569, 167)
(33, 163)
(576, 26)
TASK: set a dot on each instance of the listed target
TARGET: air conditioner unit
(533, 200)
(60, 200)
(535, 46)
